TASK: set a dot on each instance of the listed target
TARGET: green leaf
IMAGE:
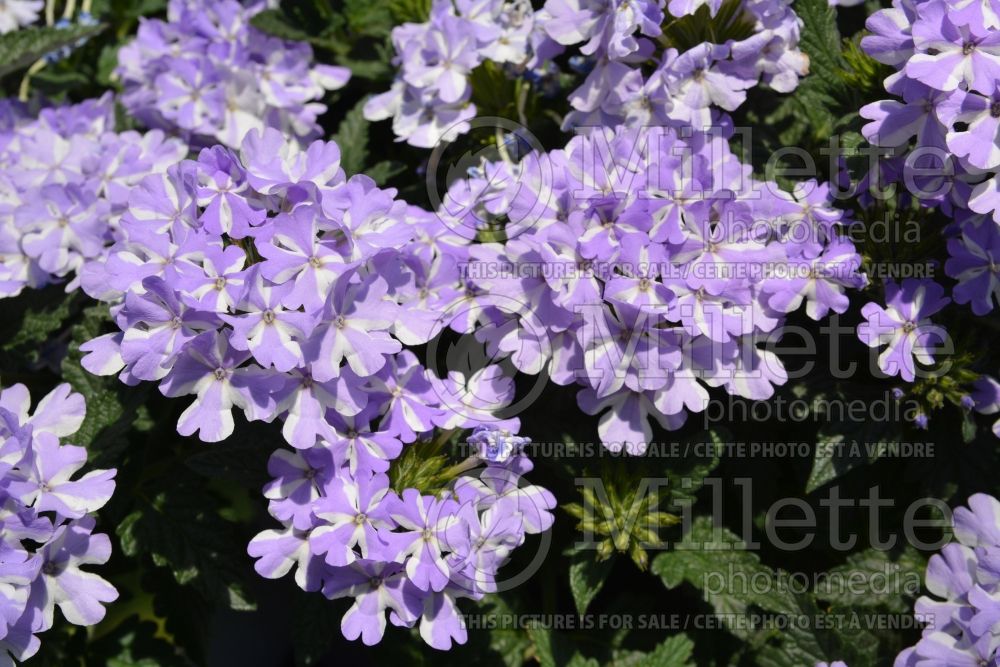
(862, 73)
(554, 649)
(968, 428)
(819, 636)
(511, 643)
(716, 561)
(365, 17)
(241, 458)
(814, 112)
(35, 318)
(274, 22)
(107, 63)
(809, 108)
(133, 9)
(382, 172)
(586, 578)
(20, 48)
(111, 408)
(493, 92)
(734, 581)
(315, 626)
(795, 645)
(875, 578)
(687, 473)
(675, 651)
(134, 643)
(352, 137)
(842, 446)
(373, 70)
(305, 22)
(831, 460)
(410, 11)
(181, 529)
(821, 42)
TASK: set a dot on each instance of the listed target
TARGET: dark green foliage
(184, 511)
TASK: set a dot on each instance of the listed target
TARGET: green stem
(38, 66)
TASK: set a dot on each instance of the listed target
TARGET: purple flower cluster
(685, 85)
(266, 281)
(65, 176)
(46, 531)
(349, 535)
(208, 75)
(963, 611)
(945, 130)
(645, 266)
(430, 99)
(904, 326)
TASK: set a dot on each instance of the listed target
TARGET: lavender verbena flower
(352, 512)
(66, 180)
(208, 75)
(212, 370)
(476, 401)
(904, 325)
(975, 264)
(46, 530)
(411, 554)
(962, 614)
(403, 394)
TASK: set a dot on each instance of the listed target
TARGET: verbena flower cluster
(65, 176)
(945, 130)
(647, 267)
(208, 75)
(46, 531)
(266, 281)
(349, 535)
(430, 100)
(645, 62)
(963, 611)
(654, 62)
